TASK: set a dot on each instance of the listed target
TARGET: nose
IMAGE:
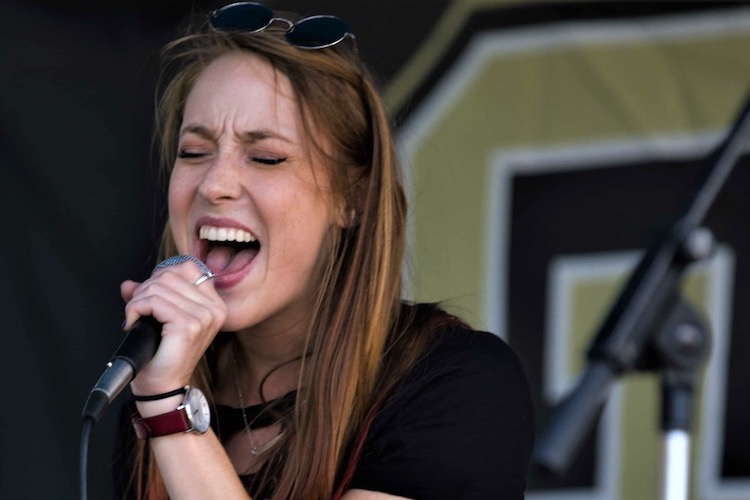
(221, 180)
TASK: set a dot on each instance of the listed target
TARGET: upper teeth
(211, 233)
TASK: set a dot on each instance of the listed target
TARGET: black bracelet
(165, 395)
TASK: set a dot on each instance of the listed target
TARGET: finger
(127, 288)
(163, 309)
(182, 280)
(180, 296)
(176, 283)
(192, 268)
(184, 340)
(174, 290)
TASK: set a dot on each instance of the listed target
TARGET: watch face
(198, 411)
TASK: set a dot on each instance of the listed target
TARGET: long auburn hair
(361, 339)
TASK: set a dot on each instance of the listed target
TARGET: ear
(346, 218)
(350, 208)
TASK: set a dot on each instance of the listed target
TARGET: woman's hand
(191, 315)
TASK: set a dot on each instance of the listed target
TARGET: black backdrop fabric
(82, 207)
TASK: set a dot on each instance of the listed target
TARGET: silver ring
(205, 277)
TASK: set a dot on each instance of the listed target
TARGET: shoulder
(461, 421)
(450, 344)
(458, 357)
(472, 378)
(473, 350)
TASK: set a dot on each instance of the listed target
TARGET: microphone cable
(88, 424)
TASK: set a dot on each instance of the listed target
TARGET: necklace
(253, 448)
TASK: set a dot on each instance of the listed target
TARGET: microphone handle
(140, 344)
(137, 348)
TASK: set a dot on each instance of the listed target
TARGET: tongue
(223, 259)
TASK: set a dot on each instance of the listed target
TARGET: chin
(239, 317)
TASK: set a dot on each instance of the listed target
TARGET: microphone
(136, 349)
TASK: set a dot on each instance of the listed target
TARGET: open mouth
(227, 250)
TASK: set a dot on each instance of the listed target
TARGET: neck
(260, 361)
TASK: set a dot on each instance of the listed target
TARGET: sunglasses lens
(243, 16)
(318, 32)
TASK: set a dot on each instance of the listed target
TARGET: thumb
(127, 288)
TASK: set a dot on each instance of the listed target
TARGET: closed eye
(269, 161)
(189, 154)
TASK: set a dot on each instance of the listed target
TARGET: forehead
(246, 89)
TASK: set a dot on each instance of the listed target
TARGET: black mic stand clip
(651, 328)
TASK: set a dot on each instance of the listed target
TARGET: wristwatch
(193, 415)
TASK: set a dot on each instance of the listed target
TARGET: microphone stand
(650, 327)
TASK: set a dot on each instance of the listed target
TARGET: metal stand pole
(676, 465)
(626, 334)
(680, 346)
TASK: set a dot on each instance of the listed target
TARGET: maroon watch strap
(161, 425)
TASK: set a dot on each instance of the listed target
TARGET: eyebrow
(249, 136)
(198, 130)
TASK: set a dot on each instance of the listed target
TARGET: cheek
(180, 186)
(179, 197)
(306, 221)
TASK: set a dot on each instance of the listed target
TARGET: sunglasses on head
(315, 32)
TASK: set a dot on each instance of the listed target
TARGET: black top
(458, 426)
